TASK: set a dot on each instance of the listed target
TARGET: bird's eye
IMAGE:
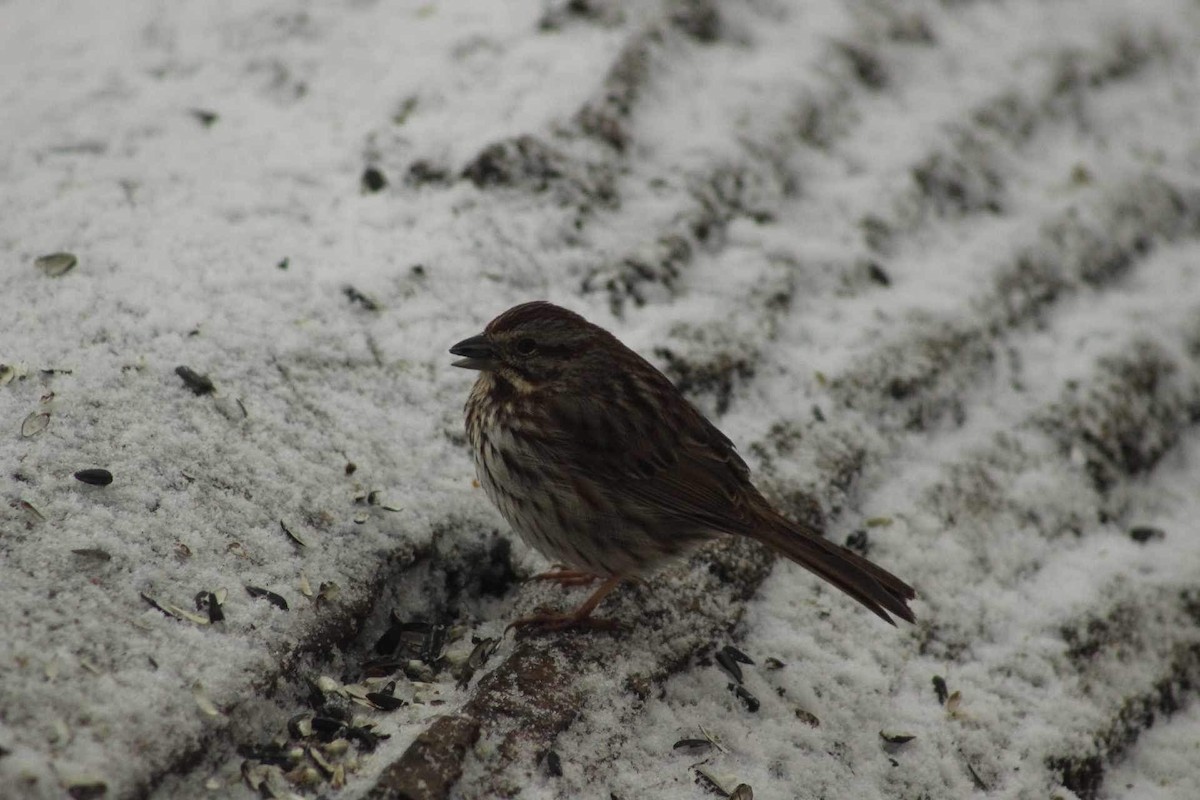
(526, 346)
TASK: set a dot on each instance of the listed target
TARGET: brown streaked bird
(599, 463)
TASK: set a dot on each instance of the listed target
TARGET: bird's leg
(581, 617)
(565, 576)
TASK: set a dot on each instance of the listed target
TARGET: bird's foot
(546, 621)
(566, 577)
(580, 619)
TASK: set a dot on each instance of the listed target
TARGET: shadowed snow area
(933, 266)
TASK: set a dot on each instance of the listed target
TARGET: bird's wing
(651, 452)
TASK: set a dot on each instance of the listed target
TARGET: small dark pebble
(351, 468)
(878, 274)
(750, 701)
(199, 384)
(373, 180)
(1144, 533)
(93, 552)
(553, 764)
(693, 745)
(385, 702)
(268, 595)
(96, 477)
(940, 689)
(205, 117)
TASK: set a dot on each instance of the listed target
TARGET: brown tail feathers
(873, 586)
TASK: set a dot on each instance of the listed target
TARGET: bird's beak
(477, 353)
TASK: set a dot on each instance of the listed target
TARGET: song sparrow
(597, 461)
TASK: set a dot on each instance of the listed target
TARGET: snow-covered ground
(934, 266)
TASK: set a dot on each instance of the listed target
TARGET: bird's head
(531, 345)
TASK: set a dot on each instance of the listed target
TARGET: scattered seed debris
(859, 541)
(295, 539)
(808, 718)
(202, 701)
(96, 477)
(204, 116)
(878, 274)
(35, 423)
(266, 594)
(940, 689)
(751, 702)
(174, 611)
(978, 781)
(305, 586)
(729, 664)
(210, 603)
(742, 792)
(896, 738)
(199, 384)
(29, 509)
(355, 296)
(483, 650)
(56, 264)
(693, 746)
(93, 552)
(773, 663)
(361, 517)
(87, 789)
(7, 373)
(711, 782)
(1145, 533)
(386, 699)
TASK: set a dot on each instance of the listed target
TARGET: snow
(1025, 175)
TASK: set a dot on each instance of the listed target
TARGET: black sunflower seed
(268, 595)
(940, 689)
(750, 701)
(385, 702)
(96, 477)
(727, 662)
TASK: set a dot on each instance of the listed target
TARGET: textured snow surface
(935, 263)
